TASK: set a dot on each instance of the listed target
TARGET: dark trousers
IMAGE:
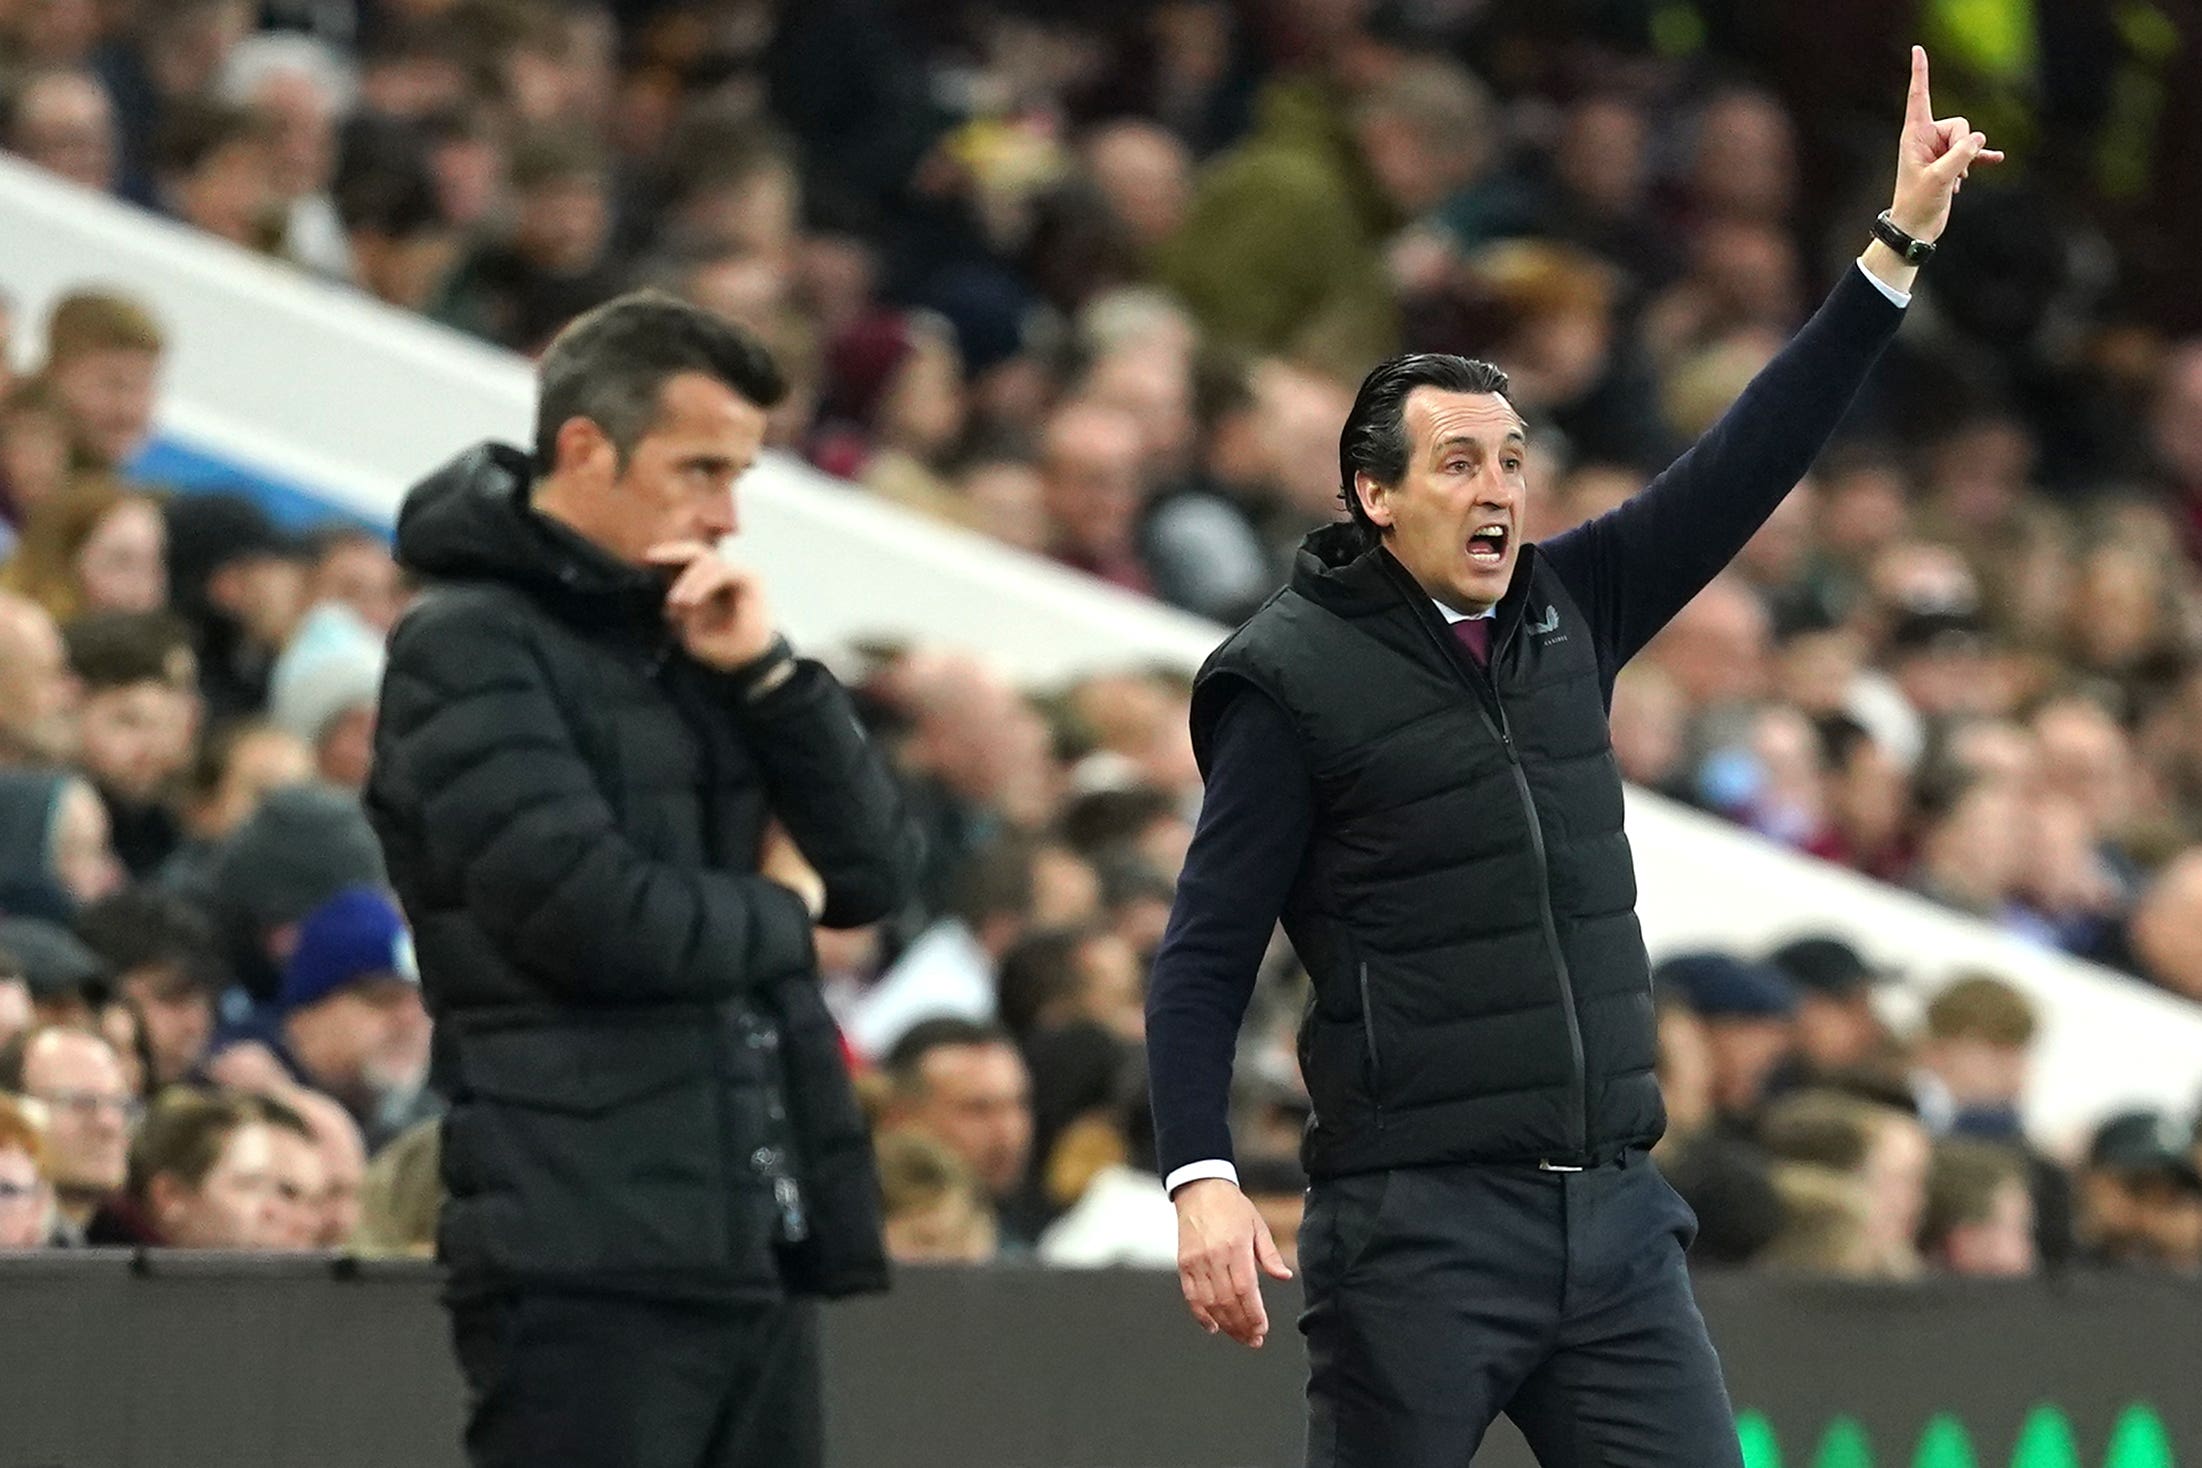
(1438, 1297)
(588, 1381)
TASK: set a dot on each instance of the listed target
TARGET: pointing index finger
(1917, 107)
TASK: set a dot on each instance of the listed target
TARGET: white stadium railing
(316, 390)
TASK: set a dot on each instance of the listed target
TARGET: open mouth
(1487, 545)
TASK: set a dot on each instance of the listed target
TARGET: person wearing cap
(352, 1023)
(614, 803)
(59, 971)
(2141, 1195)
(1837, 1028)
(1749, 1011)
(1409, 763)
(303, 845)
(237, 579)
(323, 691)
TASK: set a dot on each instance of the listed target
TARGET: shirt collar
(1452, 616)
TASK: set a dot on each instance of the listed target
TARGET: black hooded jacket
(646, 1091)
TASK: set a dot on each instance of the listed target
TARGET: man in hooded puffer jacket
(614, 803)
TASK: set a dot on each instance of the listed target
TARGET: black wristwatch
(1911, 251)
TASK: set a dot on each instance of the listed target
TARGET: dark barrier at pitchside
(183, 1361)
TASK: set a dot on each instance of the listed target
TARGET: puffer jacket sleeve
(479, 758)
(832, 789)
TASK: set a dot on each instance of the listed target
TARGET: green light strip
(2045, 1440)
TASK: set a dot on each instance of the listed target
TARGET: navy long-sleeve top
(1630, 570)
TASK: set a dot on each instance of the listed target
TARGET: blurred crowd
(1097, 283)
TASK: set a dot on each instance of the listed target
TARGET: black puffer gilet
(1466, 906)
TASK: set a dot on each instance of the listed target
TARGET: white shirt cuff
(1901, 298)
(1193, 1172)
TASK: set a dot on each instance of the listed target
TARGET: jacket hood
(471, 521)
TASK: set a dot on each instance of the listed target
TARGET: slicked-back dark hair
(609, 365)
(1375, 438)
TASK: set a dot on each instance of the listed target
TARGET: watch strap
(1910, 250)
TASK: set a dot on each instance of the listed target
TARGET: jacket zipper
(1485, 690)
(728, 1154)
(1368, 1030)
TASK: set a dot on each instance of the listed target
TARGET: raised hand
(717, 609)
(1932, 159)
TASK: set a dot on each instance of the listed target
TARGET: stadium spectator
(400, 1195)
(1826, 1226)
(65, 978)
(302, 845)
(323, 688)
(16, 1012)
(91, 546)
(301, 1178)
(61, 120)
(893, 410)
(38, 695)
(159, 953)
(1838, 1030)
(2140, 1196)
(235, 767)
(137, 725)
(352, 565)
(35, 451)
(1749, 1016)
(554, 262)
(1063, 976)
(400, 242)
(1095, 490)
(159, 66)
(76, 1076)
(935, 1210)
(1979, 1219)
(1103, 1164)
(1883, 1150)
(2165, 934)
(103, 354)
(55, 847)
(214, 169)
(342, 1155)
(235, 578)
(964, 1084)
(203, 1174)
(1282, 245)
(950, 969)
(1972, 843)
(1973, 1061)
(298, 92)
(976, 755)
(26, 1198)
(351, 1022)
